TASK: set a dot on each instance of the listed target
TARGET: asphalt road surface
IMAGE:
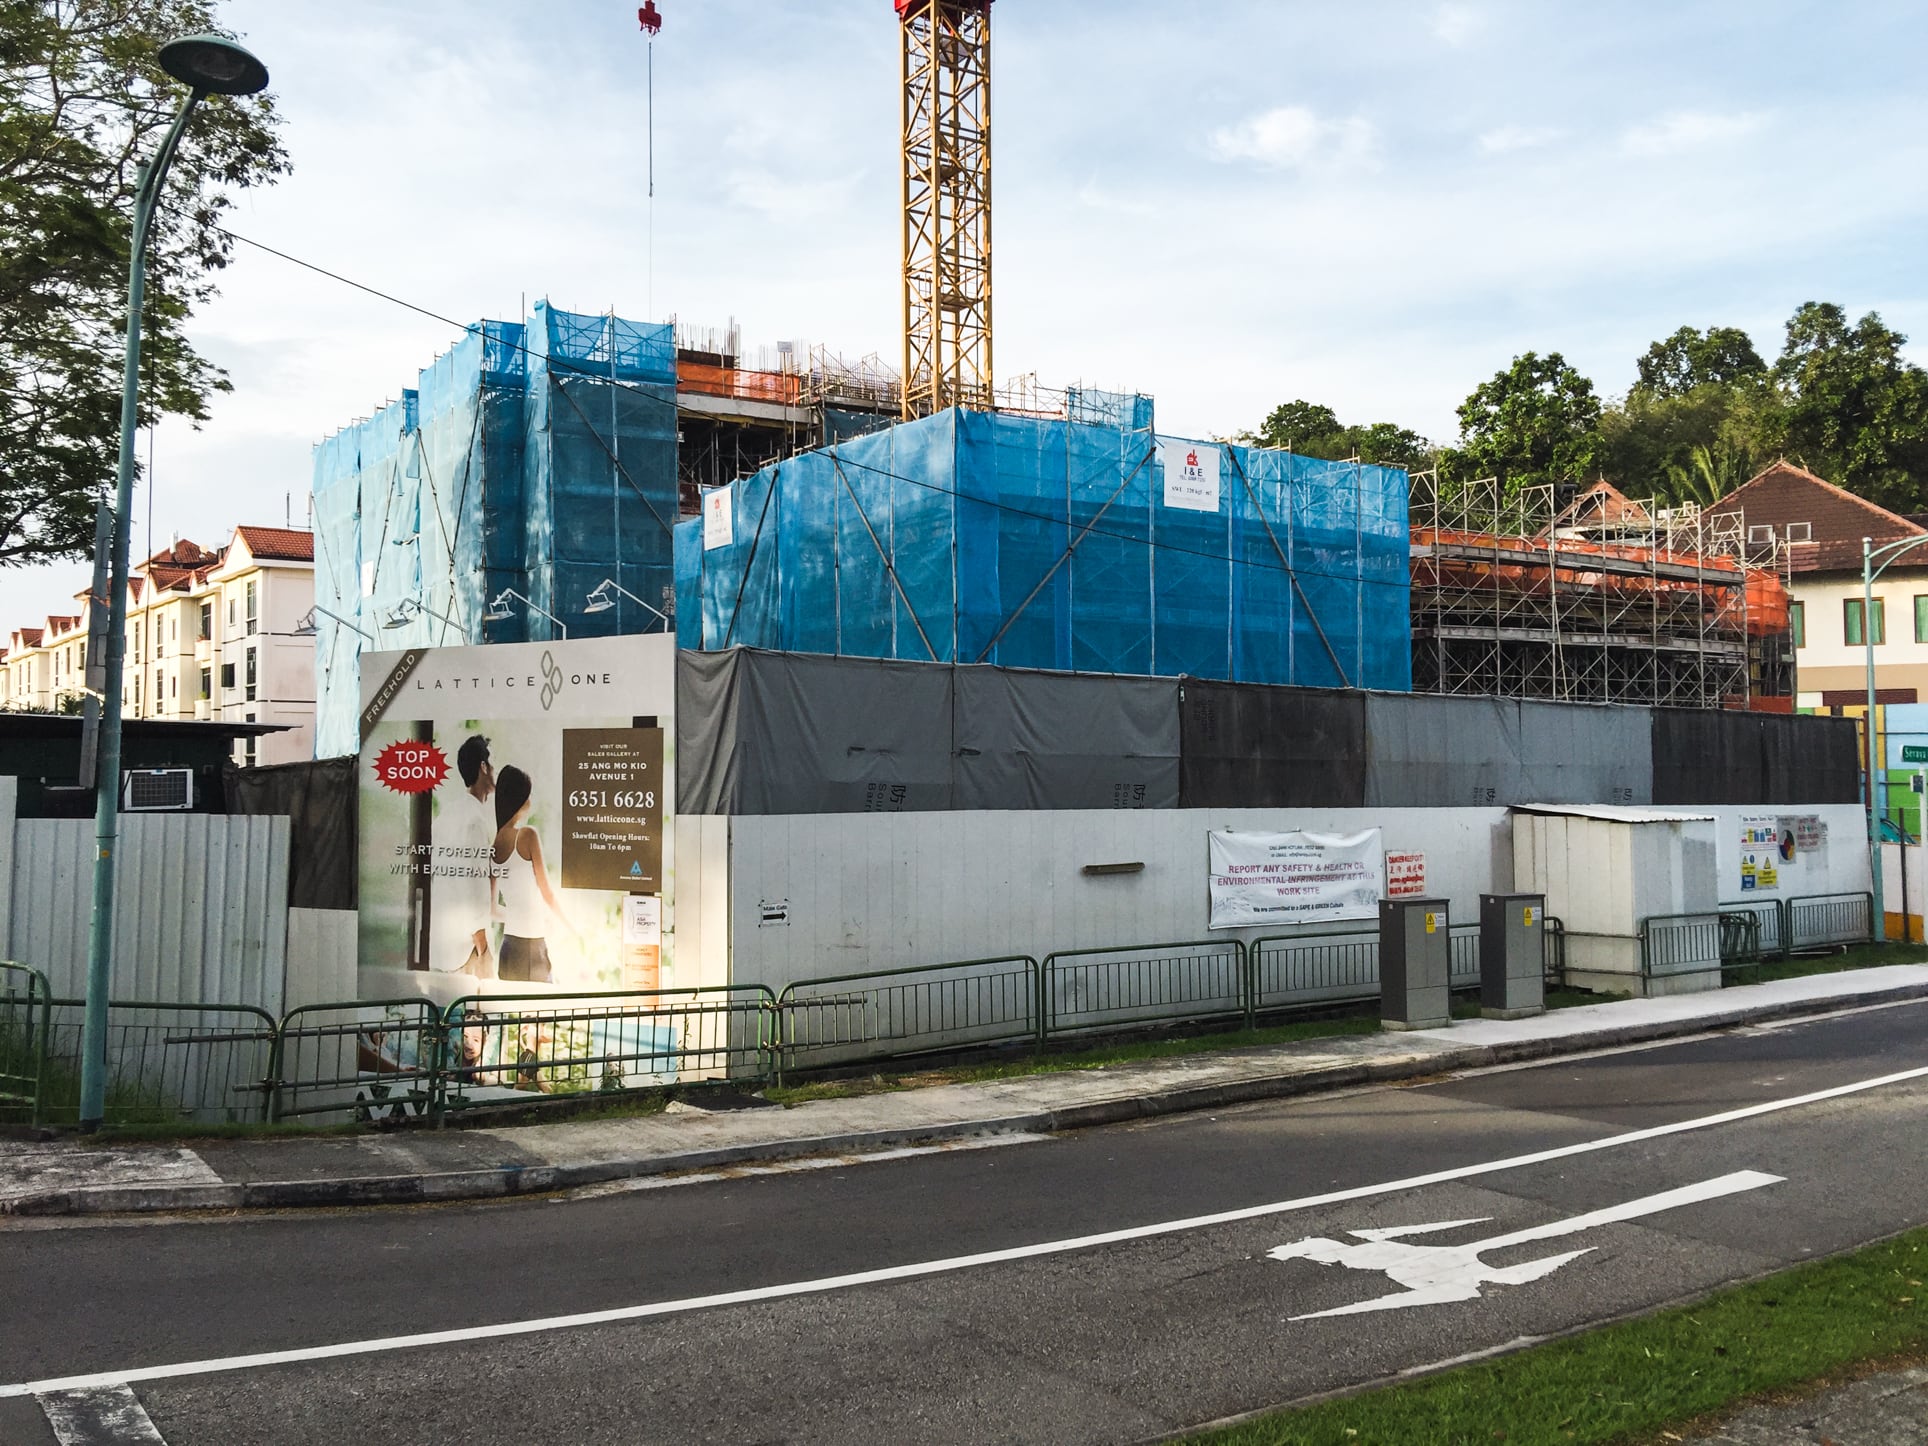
(1112, 1285)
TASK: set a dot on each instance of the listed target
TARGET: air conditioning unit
(157, 790)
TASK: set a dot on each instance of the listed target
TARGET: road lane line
(99, 1416)
(886, 1274)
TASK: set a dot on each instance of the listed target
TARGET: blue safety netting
(1039, 543)
(539, 458)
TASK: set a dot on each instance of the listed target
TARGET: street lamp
(411, 608)
(499, 610)
(599, 600)
(305, 628)
(1887, 552)
(207, 65)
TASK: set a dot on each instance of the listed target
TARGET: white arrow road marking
(823, 1285)
(1441, 1274)
(99, 1416)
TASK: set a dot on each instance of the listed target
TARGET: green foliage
(1854, 408)
(82, 103)
(1719, 356)
(1313, 430)
(1534, 423)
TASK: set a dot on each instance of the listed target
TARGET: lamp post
(1887, 553)
(499, 610)
(599, 600)
(207, 65)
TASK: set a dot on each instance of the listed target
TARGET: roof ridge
(1783, 465)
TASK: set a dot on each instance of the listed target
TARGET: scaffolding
(1607, 600)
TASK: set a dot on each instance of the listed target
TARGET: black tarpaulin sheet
(1585, 753)
(1247, 746)
(1707, 757)
(1811, 760)
(319, 800)
(783, 733)
(1029, 739)
(1425, 752)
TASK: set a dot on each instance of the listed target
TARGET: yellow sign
(1527, 917)
(1432, 922)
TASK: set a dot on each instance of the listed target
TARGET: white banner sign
(1294, 878)
(1191, 475)
(719, 518)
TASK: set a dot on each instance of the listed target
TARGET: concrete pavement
(412, 1166)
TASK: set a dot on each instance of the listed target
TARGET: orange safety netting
(1563, 565)
(785, 388)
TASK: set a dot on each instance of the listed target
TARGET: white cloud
(1457, 24)
(1687, 130)
(1499, 141)
(1293, 137)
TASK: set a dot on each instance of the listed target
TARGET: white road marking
(99, 1416)
(787, 1167)
(920, 1269)
(1443, 1274)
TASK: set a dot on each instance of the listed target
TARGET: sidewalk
(411, 1166)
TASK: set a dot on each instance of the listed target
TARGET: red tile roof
(1836, 518)
(29, 637)
(278, 544)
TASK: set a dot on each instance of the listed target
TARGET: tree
(82, 104)
(1856, 411)
(1536, 422)
(1689, 359)
(1313, 430)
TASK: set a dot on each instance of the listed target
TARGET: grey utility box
(1512, 955)
(1415, 962)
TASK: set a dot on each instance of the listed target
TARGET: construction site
(581, 474)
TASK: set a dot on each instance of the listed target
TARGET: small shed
(1637, 889)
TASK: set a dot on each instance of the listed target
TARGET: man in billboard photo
(465, 891)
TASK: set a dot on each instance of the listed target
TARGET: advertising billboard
(516, 803)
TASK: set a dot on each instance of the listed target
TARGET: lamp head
(402, 614)
(599, 600)
(497, 614)
(307, 627)
(214, 64)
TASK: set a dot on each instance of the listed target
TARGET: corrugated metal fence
(201, 907)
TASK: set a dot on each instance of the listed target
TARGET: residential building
(211, 636)
(1819, 528)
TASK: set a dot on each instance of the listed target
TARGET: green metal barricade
(1198, 979)
(885, 1013)
(166, 1062)
(513, 1048)
(362, 1060)
(25, 1010)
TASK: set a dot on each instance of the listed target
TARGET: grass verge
(1858, 956)
(1638, 1378)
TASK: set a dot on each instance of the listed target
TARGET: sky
(1226, 204)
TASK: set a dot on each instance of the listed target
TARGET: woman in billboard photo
(528, 900)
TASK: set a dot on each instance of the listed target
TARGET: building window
(1797, 622)
(227, 675)
(248, 746)
(173, 687)
(157, 690)
(230, 614)
(250, 674)
(83, 655)
(250, 607)
(1851, 623)
(174, 629)
(207, 681)
(137, 642)
(207, 619)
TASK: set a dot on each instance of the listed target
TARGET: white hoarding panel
(719, 518)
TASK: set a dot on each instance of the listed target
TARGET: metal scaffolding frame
(1609, 600)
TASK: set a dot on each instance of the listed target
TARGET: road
(1110, 1285)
